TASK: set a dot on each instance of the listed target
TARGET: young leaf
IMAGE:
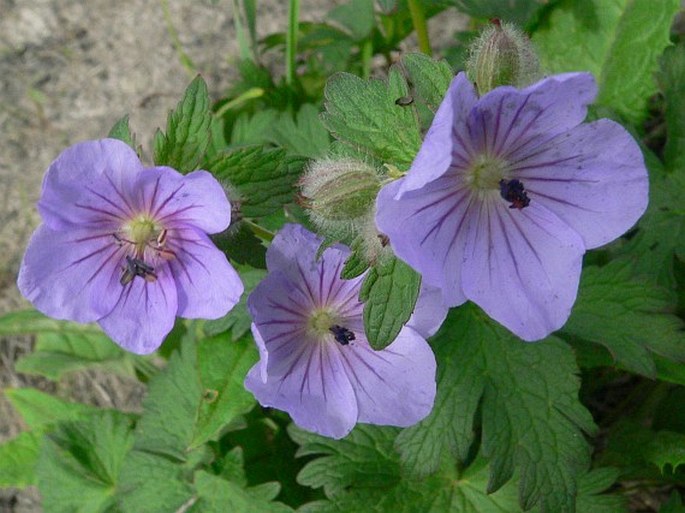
(429, 78)
(666, 448)
(593, 36)
(530, 413)
(122, 131)
(80, 461)
(264, 179)
(356, 16)
(630, 318)
(18, 458)
(671, 79)
(363, 113)
(389, 293)
(187, 133)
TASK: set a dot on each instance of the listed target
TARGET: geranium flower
(126, 246)
(316, 362)
(507, 193)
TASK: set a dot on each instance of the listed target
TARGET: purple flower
(507, 193)
(126, 246)
(316, 363)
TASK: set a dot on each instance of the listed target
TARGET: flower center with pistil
(485, 173)
(320, 322)
(140, 231)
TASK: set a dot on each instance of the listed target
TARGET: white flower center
(485, 173)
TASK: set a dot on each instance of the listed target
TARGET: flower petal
(143, 316)
(592, 177)
(395, 386)
(61, 270)
(196, 199)
(440, 148)
(428, 229)
(509, 122)
(522, 267)
(429, 313)
(88, 182)
(309, 382)
(207, 285)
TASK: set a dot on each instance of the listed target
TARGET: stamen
(514, 192)
(342, 335)
(137, 267)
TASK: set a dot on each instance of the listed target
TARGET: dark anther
(513, 191)
(404, 101)
(341, 334)
(137, 267)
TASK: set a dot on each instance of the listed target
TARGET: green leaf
(305, 136)
(18, 458)
(671, 79)
(39, 410)
(150, 483)
(187, 133)
(216, 495)
(223, 365)
(619, 41)
(629, 317)
(661, 233)
(389, 293)
(356, 16)
(531, 417)
(264, 179)
(80, 461)
(238, 320)
(674, 504)
(666, 448)
(590, 488)
(122, 131)
(197, 395)
(63, 346)
(363, 113)
(362, 474)
(429, 78)
(254, 129)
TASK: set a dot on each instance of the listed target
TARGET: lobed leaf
(429, 78)
(630, 317)
(363, 114)
(527, 394)
(671, 80)
(611, 39)
(18, 458)
(122, 131)
(264, 179)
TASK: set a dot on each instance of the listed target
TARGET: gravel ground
(68, 71)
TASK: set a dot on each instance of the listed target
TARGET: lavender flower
(507, 193)
(126, 246)
(316, 363)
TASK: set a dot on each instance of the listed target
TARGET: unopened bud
(339, 193)
(502, 55)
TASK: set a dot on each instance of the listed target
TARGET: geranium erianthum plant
(316, 362)
(127, 246)
(506, 194)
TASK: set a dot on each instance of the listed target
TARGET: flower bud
(502, 55)
(339, 193)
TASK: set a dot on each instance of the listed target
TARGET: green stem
(186, 61)
(243, 43)
(250, 94)
(419, 21)
(291, 41)
(259, 231)
(367, 54)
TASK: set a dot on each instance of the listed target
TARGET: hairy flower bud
(502, 55)
(339, 194)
